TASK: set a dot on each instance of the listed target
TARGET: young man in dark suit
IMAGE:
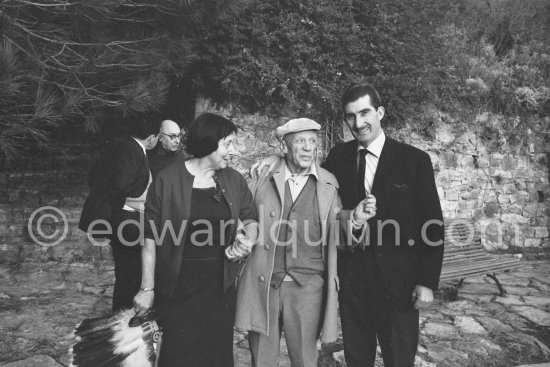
(118, 185)
(385, 281)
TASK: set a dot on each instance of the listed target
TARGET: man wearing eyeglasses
(166, 152)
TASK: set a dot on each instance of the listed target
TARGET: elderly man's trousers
(296, 310)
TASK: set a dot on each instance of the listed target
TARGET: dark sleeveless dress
(198, 320)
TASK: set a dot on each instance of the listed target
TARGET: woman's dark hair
(356, 91)
(205, 132)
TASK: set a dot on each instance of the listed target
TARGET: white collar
(376, 146)
(312, 171)
(141, 145)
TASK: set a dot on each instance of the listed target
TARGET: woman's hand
(240, 249)
(144, 300)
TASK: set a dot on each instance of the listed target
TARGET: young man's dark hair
(205, 133)
(356, 91)
(143, 125)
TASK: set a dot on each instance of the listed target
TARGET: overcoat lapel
(324, 196)
(279, 179)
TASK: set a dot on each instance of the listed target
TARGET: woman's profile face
(222, 156)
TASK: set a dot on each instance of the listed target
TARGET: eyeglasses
(173, 136)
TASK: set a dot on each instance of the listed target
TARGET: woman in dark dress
(191, 213)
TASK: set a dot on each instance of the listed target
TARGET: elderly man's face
(300, 149)
(170, 136)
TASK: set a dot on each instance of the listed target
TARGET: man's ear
(381, 112)
(284, 148)
(152, 140)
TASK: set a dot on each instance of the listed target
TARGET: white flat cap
(295, 125)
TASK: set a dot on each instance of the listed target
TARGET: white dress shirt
(298, 181)
(138, 204)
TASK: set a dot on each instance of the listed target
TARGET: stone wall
(506, 194)
(35, 185)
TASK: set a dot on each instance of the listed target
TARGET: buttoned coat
(168, 206)
(253, 284)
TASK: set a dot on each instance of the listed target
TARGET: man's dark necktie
(361, 174)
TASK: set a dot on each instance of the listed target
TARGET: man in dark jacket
(118, 184)
(385, 282)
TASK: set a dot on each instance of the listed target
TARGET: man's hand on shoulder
(264, 167)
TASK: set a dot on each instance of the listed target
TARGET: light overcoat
(253, 283)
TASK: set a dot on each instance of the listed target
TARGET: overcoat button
(272, 214)
(262, 278)
(267, 247)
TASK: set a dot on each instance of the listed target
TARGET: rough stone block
(482, 162)
(509, 163)
(514, 208)
(495, 162)
(465, 160)
(539, 221)
(513, 218)
(451, 194)
(38, 360)
(522, 196)
(535, 315)
(443, 134)
(440, 330)
(443, 353)
(449, 160)
(509, 188)
(542, 186)
(469, 325)
(470, 347)
(530, 210)
(532, 242)
(541, 232)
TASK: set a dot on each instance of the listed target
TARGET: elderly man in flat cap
(289, 281)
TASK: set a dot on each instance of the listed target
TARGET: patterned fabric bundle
(124, 340)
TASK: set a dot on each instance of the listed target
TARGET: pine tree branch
(41, 5)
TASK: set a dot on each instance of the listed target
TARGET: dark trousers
(367, 314)
(127, 262)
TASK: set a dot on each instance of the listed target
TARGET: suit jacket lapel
(350, 166)
(385, 165)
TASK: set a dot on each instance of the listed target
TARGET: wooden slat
(470, 273)
(479, 268)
